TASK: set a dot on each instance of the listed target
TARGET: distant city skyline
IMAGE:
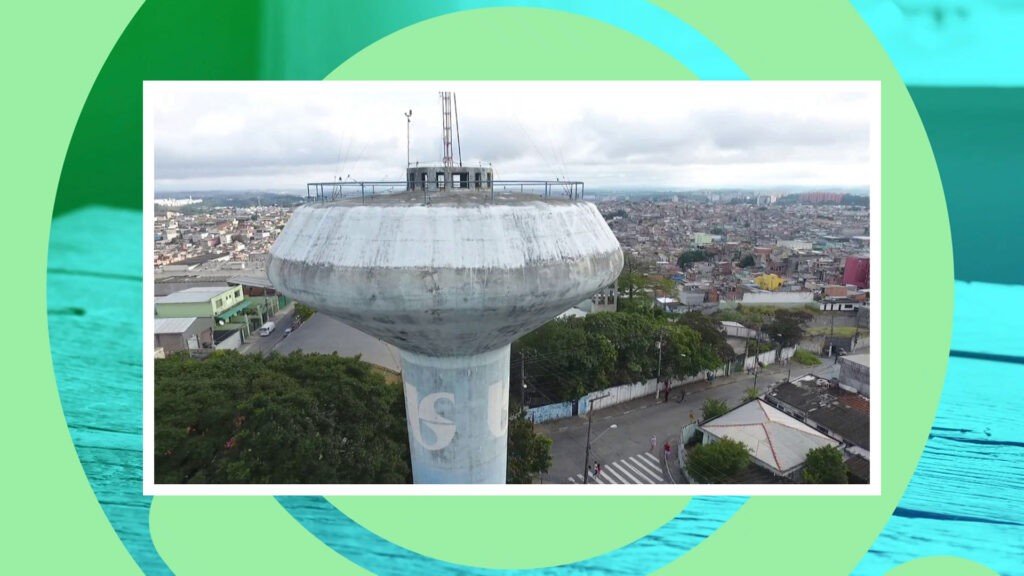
(275, 137)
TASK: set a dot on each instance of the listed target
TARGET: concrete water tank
(451, 283)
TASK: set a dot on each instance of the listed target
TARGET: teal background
(93, 285)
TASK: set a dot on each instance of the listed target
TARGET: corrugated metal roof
(772, 436)
(260, 281)
(172, 325)
(194, 295)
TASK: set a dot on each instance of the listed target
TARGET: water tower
(450, 269)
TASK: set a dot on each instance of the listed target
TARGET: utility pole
(657, 383)
(746, 346)
(409, 122)
(590, 421)
(778, 355)
(522, 377)
(757, 355)
(832, 330)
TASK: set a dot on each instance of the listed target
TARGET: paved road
(325, 335)
(643, 468)
(264, 344)
(637, 421)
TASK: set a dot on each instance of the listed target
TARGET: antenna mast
(446, 135)
(458, 139)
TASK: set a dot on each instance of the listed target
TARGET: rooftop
(194, 295)
(257, 280)
(844, 413)
(773, 437)
(172, 325)
(860, 469)
(200, 259)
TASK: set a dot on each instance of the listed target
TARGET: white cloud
(280, 135)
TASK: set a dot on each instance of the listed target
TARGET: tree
(630, 284)
(303, 311)
(747, 261)
(713, 408)
(712, 336)
(579, 355)
(640, 304)
(691, 256)
(566, 360)
(717, 462)
(825, 466)
(751, 394)
(631, 279)
(633, 338)
(529, 453)
(788, 326)
(302, 418)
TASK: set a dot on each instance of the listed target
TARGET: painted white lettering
(424, 413)
(497, 408)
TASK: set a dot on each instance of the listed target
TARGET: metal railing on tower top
(332, 191)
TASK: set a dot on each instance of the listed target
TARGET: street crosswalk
(644, 468)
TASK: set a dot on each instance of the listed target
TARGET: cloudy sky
(276, 136)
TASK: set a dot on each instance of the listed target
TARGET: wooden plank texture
(965, 498)
(94, 299)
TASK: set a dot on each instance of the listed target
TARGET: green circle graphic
(533, 44)
(812, 41)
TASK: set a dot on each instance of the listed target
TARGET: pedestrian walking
(597, 469)
(654, 443)
(668, 450)
(666, 390)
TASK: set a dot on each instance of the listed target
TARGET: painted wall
(549, 412)
(627, 392)
(778, 298)
(184, 310)
(855, 375)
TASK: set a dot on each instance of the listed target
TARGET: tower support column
(457, 411)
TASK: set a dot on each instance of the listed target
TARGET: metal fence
(333, 191)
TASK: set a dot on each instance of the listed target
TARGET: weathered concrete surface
(855, 372)
(458, 417)
(445, 280)
(451, 284)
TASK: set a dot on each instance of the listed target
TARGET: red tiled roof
(857, 402)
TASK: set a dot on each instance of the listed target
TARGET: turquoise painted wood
(964, 499)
